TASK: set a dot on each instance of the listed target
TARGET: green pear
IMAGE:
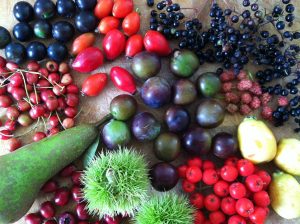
(288, 156)
(285, 195)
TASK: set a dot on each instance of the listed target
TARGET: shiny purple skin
(145, 127)
(156, 92)
(197, 141)
(163, 176)
(184, 92)
(177, 119)
(224, 145)
(67, 218)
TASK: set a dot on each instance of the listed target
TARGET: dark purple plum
(197, 141)
(210, 113)
(177, 119)
(224, 145)
(156, 92)
(184, 92)
(167, 147)
(163, 176)
(145, 127)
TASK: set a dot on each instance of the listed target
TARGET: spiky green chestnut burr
(116, 183)
(167, 208)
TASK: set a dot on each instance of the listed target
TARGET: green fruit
(184, 63)
(123, 107)
(285, 195)
(24, 171)
(167, 147)
(146, 65)
(210, 113)
(208, 84)
(116, 133)
(184, 92)
(288, 156)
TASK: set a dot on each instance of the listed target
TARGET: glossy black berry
(254, 7)
(15, 52)
(246, 3)
(289, 17)
(284, 92)
(57, 51)
(44, 9)
(287, 34)
(296, 35)
(150, 3)
(176, 7)
(161, 5)
(63, 31)
(264, 33)
(280, 25)
(22, 31)
(227, 12)
(5, 37)
(86, 4)
(286, 1)
(246, 14)
(85, 21)
(162, 15)
(179, 16)
(235, 19)
(277, 10)
(42, 29)
(36, 51)
(153, 13)
(23, 11)
(66, 8)
(290, 8)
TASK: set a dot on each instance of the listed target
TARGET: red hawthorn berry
(194, 174)
(188, 187)
(182, 170)
(197, 200)
(195, 161)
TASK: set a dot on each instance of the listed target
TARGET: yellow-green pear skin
(257, 142)
(288, 156)
(285, 195)
(24, 171)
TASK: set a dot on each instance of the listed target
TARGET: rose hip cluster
(244, 95)
(37, 93)
(237, 192)
(61, 196)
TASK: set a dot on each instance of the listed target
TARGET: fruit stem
(103, 120)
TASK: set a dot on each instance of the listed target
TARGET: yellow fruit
(256, 141)
(288, 156)
(285, 195)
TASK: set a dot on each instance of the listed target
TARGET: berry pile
(46, 95)
(237, 192)
(61, 196)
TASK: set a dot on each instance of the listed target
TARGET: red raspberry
(232, 98)
(227, 87)
(246, 98)
(265, 98)
(266, 113)
(245, 109)
(227, 76)
(242, 75)
(283, 101)
(255, 103)
(232, 108)
(256, 89)
(245, 84)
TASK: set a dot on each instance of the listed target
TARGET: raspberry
(227, 87)
(255, 103)
(256, 89)
(245, 109)
(244, 84)
(232, 108)
(242, 75)
(266, 113)
(265, 98)
(227, 76)
(283, 101)
(246, 98)
(232, 97)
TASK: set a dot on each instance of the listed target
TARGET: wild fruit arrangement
(112, 186)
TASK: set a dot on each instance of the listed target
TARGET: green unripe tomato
(116, 133)
(123, 107)
(167, 147)
(209, 84)
(184, 63)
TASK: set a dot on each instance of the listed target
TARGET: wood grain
(95, 108)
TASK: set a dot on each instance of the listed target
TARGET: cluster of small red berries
(38, 93)
(61, 196)
(234, 193)
(244, 95)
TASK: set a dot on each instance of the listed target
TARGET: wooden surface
(95, 108)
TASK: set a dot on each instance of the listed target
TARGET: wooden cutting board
(95, 108)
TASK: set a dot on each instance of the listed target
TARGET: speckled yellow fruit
(288, 156)
(256, 141)
(285, 195)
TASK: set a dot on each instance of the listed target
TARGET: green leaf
(90, 153)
